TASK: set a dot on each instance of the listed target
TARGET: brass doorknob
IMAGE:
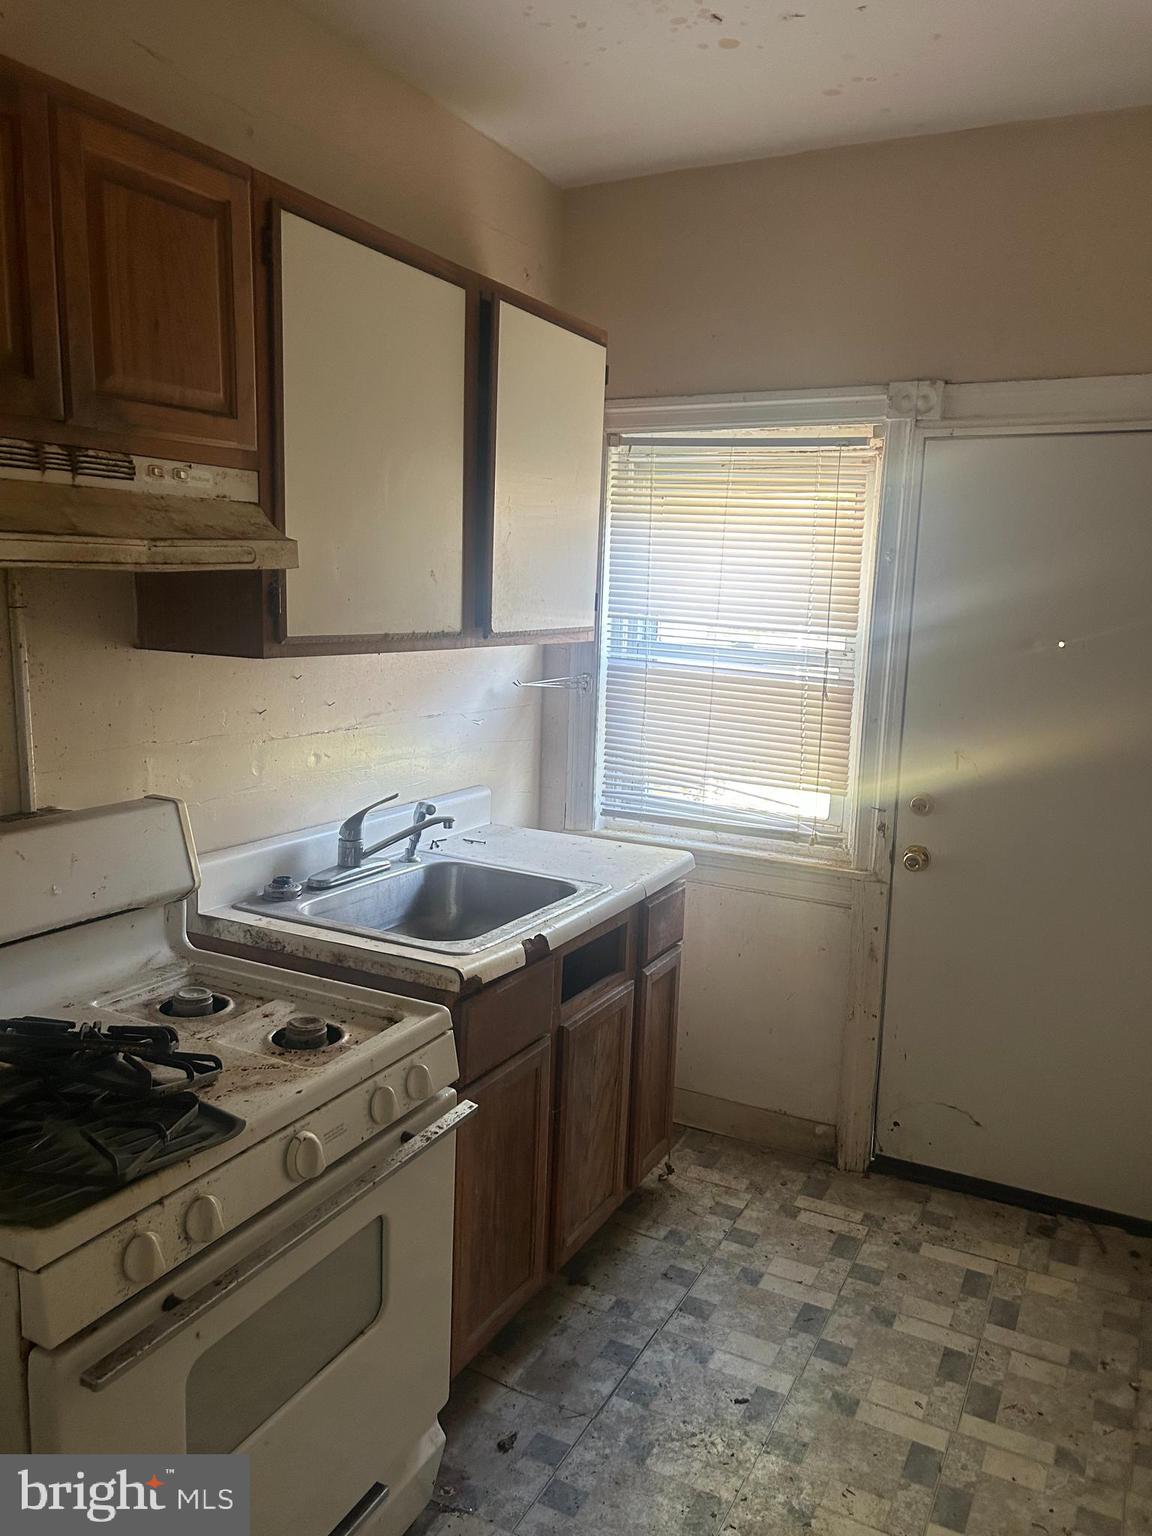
(916, 858)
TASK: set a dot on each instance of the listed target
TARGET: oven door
(315, 1339)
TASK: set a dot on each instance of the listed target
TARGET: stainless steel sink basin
(455, 905)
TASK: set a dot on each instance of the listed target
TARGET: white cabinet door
(374, 369)
(548, 450)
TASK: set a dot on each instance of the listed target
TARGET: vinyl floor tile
(761, 1345)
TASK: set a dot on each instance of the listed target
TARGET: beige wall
(1022, 251)
(258, 747)
(1015, 252)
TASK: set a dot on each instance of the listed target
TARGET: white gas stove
(225, 1190)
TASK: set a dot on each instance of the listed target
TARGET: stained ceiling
(594, 90)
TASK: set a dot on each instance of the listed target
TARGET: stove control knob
(143, 1258)
(306, 1156)
(204, 1220)
(418, 1081)
(382, 1105)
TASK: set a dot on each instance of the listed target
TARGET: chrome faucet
(351, 855)
(425, 817)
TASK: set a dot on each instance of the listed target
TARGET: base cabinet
(571, 1062)
(502, 1165)
(653, 1064)
(595, 1052)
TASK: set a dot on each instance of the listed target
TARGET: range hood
(67, 508)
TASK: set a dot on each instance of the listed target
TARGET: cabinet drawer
(663, 922)
(596, 962)
(505, 1018)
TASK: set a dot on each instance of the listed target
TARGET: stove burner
(87, 1110)
(194, 1002)
(306, 1032)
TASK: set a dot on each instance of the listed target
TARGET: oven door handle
(121, 1360)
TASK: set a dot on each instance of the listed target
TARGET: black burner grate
(89, 1109)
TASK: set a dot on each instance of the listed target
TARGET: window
(735, 599)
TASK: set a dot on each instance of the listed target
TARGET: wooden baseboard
(762, 1127)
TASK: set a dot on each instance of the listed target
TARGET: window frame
(863, 842)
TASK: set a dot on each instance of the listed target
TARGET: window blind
(732, 629)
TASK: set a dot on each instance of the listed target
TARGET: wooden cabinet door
(653, 1064)
(156, 251)
(373, 436)
(547, 452)
(502, 1158)
(30, 381)
(593, 1070)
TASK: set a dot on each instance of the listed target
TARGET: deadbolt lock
(916, 858)
(920, 805)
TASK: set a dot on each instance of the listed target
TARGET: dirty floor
(761, 1344)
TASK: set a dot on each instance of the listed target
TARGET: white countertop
(630, 872)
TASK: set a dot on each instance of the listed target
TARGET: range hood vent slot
(65, 459)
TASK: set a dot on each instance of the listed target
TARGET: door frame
(1108, 403)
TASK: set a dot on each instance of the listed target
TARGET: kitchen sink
(455, 905)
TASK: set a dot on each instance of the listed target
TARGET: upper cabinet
(433, 444)
(156, 255)
(375, 407)
(30, 375)
(430, 440)
(547, 445)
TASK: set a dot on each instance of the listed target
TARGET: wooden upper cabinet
(373, 354)
(30, 379)
(156, 254)
(547, 444)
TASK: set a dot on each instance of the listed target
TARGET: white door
(1017, 1042)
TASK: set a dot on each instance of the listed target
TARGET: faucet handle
(352, 830)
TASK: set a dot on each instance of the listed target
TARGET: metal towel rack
(581, 682)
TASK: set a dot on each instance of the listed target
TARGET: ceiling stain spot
(729, 42)
(833, 91)
(793, 16)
